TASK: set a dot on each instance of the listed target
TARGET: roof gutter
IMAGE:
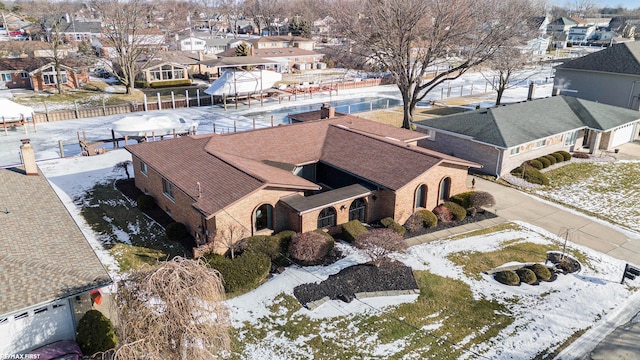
(498, 161)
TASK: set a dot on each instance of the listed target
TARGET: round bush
(462, 199)
(414, 223)
(559, 157)
(443, 214)
(389, 223)
(579, 155)
(542, 272)
(482, 199)
(552, 160)
(544, 161)
(146, 202)
(309, 248)
(564, 154)
(176, 231)
(428, 218)
(95, 333)
(530, 175)
(535, 164)
(527, 276)
(459, 213)
(507, 278)
(243, 272)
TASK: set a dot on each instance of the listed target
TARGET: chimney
(327, 111)
(556, 91)
(532, 91)
(28, 157)
(200, 56)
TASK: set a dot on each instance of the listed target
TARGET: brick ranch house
(315, 174)
(39, 74)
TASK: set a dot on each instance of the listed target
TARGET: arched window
(263, 217)
(327, 217)
(357, 210)
(445, 188)
(420, 200)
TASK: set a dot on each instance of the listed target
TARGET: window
(432, 134)
(167, 188)
(541, 143)
(6, 77)
(357, 210)
(263, 217)
(49, 76)
(420, 199)
(515, 150)
(327, 217)
(24, 74)
(570, 138)
(143, 167)
(445, 188)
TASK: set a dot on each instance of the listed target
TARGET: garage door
(622, 135)
(29, 329)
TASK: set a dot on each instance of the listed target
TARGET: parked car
(59, 350)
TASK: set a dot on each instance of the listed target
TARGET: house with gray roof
(503, 137)
(610, 76)
(46, 263)
(322, 172)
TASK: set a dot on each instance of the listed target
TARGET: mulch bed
(484, 215)
(358, 278)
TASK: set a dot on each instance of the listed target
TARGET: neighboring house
(578, 35)
(192, 43)
(610, 76)
(159, 71)
(286, 59)
(13, 49)
(559, 31)
(502, 138)
(218, 45)
(13, 22)
(539, 24)
(75, 31)
(279, 42)
(39, 74)
(321, 173)
(537, 47)
(46, 264)
(147, 37)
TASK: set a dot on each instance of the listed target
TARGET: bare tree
(228, 235)
(231, 11)
(123, 166)
(379, 243)
(412, 38)
(581, 8)
(508, 68)
(174, 311)
(126, 29)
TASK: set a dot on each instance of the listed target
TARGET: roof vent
(483, 112)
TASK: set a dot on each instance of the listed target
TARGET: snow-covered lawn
(503, 322)
(609, 190)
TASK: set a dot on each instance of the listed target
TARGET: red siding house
(39, 74)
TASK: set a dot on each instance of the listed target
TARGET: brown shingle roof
(231, 166)
(43, 254)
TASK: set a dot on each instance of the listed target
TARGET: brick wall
(18, 82)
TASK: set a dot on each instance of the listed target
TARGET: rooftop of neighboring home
(272, 52)
(30, 64)
(231, 166)
(515, 124)
(621, 58)
(43, 254)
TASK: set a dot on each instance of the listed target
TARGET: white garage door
(29, 329)
(622, 135)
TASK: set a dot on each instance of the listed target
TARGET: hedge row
(545, 161)
(528, 275)
(242, 272)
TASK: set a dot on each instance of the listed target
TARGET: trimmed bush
(284, 239)
(310, 248)
(176, 231)
(244, 272)
(462, 199)
(96, 333)
(535, 164)
(146, 202)
(379, 243)
(323, 233)
(352, 229)
(459, 213)
(580, 155)
(551, 158)
(507, 278)
(542, 272)
(530, 175)
(264, 244)
(481, 198)
(564, 154)
(544, 161)
(443, 214)
(389, 223)
(414, 223)
(428, 218)
(527, 276)
(559, 157)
